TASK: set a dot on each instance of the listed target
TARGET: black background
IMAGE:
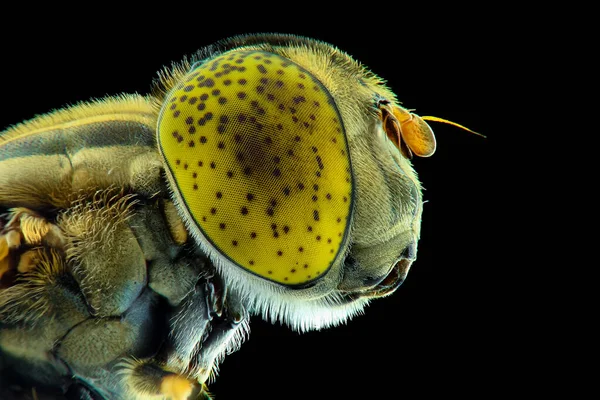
(442, 331)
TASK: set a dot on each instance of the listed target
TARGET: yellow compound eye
(257, 154)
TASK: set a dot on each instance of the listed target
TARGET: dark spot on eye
(316, 187)
(305, 267)
(195, 186)
(229, 174)
(273, 226)
(202, 139)
(318, 174)
(297, 138)
(227, 82)
(292, 110)
(275, 234)
(251, 262)
(300, 249)
(241, 95)
(253, 235)
(209, 82)
(176, 114)
(270, 212)
(183, 98)
(280, 71)
(314, 149)
(192, 129)
(191, 142)
(213, 165)
(216, 92)
(339, 220)
(242, 118)
(250, 196)
(290, 153)
(194, 175)
(242, 81)
(279, 253)
(273, 204)
(238, 138)
(328, 195)
(345, 199)
(219, 195)
(276, 160)
(213, 211)
(204, 97)
(244, 210)
(247, 171)
(299, 99)
(279, 126)
(200, 163)
(188, 88)
(286, 229)
(320, 163)
(316, 215)
(281, 107)
(222, 100)
(312, 116)
(318, 237)
(264, 81)
(270, 97)
(268, 140)
(310, 228)
(185, 166)
(331, 250)
(300, 186)
(314, 198)
(279, 84)
(260, 89)
(204, 219)
(316, 103)
(286, 191)
(301, 86)
(208, 116)
(234, 242)
(270, 272)
(329, 240)
(201, 106)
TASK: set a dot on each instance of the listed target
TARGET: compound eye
(257, 155)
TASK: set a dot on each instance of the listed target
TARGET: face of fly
(284, 157)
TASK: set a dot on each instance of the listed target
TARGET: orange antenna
(445, 121)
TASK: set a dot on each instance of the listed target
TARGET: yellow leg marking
(176, 387)
(13, 239)
(28, 261)
(34, 228)
(3, 263)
